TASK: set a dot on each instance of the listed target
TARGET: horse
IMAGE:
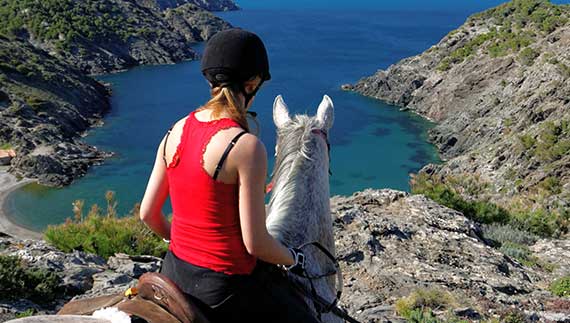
(299, 205)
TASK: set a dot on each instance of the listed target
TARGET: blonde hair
(226, 100)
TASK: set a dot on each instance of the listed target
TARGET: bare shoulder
(250, 148)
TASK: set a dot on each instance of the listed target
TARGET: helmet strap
(249, 96)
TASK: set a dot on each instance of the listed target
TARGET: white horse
(299, 208)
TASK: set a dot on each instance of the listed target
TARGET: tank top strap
(176, 157)
(201, 135)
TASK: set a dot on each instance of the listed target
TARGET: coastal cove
(373, 144)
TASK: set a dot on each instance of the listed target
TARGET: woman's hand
(155, 196)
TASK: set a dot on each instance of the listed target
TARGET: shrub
(513, 316)
(19, 281)
(527, 56)
(424, 298)
(5, 145)
(561, 287)
(501, 233)
(421, 316)
(540, 222)
(26, 313)
(527, 141)
(480, 211)
(105, 234)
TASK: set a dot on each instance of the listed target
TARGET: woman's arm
(252, 169)
(155, 196)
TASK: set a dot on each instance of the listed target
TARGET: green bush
(421, 316)
(527, 56)
(434, 299)
(553, 140)
(540, 222)
(502, 233)
(513, 316)
(480, 211)
(105, 234)
(5, 145)
(561, 287)
(17, 280)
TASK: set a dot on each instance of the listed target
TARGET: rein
(322, 305)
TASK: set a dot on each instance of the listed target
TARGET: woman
(214, 172)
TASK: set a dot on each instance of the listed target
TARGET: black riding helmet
(234, 56)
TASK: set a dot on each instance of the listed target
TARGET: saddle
(155, 299)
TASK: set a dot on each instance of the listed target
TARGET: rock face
(389, 244)
(47, 104)
(111, 35)
(218, 5)
(498, 88)
(81, 275)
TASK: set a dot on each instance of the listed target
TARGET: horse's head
(300, 175)
(299, 208)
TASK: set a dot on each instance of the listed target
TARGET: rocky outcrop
(47, 104)
(210, 5)
(389, 245)
(195, 24)
(498, 88)
(81, 275)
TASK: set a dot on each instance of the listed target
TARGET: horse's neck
(304, 216)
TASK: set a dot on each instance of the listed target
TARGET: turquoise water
(312, 54)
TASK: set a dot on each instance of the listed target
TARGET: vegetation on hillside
(511, 230)
(103, 233)
(18, 280)
(513, 28)
(561, 287)
(65, 21)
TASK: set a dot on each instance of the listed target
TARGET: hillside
(45, 104)
(101, 36)
(46, 49)
(498, 88)
(217, 5)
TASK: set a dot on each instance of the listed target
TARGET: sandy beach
(9, 183)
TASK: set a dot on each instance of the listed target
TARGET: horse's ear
(325, 113)
(280, 112)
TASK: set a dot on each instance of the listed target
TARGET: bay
(312, 53)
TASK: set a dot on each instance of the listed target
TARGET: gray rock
(134, 266)
(390, 244)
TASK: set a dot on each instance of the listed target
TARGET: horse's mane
(293, 148)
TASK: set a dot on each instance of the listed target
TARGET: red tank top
(205, 227)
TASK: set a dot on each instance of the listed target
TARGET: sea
(314, 48)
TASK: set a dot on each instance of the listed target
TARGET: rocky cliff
(105, 36)
(45, 104)
(498, 88)
(389, 245)
(46, 48)
(218, 5)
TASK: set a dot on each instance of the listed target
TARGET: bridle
(321, 305)
(323, 133)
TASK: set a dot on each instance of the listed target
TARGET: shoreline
(8, 184)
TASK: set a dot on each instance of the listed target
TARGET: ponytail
(225, 99)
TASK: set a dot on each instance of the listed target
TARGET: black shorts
(264, 295)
